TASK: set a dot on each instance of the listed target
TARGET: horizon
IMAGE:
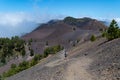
(22, 16)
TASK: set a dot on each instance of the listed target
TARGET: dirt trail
(77, 70)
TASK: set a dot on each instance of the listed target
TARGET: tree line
(10, 47)
(27, 64)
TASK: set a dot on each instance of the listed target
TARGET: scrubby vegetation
(71, 20)
(46, 43)
(10, 47)
(15, 69)
(52, 50)
(22, 66)
(31, 52)
(104, 34)
(27, 64)
(93, 38)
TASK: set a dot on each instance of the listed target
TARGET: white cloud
(14, 19)
(18, 23)
(117, 19)
(11, 19)
(12, 24)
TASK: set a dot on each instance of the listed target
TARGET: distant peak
(53, 21)
(88, 18)
(69, 18)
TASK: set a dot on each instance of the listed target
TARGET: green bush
(104, 34)
(33, 62)
(30, 41)
(23, 52)
(31, 52)
(37, 57)
(15, 69)
(13, 66)
(93, 38)
(24, 65)
(52, 50)
(3, 60)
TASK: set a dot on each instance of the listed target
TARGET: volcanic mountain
(65, 32)
(86, 60)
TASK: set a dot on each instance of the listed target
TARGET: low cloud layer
(19, 23)
(12, 19)
(12, 24)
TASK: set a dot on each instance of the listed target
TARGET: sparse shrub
(93, 38)
(74, 28)
(13, 66)
(46, 43)
(52, 50)
(78, 40)
(104, 34)
(23, 52)
(15, 69)
(47, 51)
(3, 60)
(31, 52)
(33, 62)
(24, 65)
(73, 45)
(38, 57)
(69, 40)
(30, 41)
(27, 64)
(101, 30)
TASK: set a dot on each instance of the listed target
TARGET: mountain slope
(89, 61)
(64, 32)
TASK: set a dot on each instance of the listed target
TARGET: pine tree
(113, 31)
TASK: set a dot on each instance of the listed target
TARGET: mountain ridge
(63, 32)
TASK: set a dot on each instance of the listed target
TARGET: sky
(22, 16)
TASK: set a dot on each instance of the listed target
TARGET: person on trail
(65, 53)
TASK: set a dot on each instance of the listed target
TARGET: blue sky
(16, 15)
(77, 8)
